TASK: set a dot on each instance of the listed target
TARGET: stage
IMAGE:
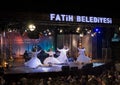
(18, 67)
(19, 70)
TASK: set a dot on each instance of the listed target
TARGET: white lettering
(52, 16)
(57, 18)
(78, 19)
(105, 20)
(100, 19)
(96, 20)
(70, 18)
(83, 19)
(87, 19)
(63, 17)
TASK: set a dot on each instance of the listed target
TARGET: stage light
(9, 30)
(81, 35)
(119, 28)
(89, 31)
(31, 27)
(93, 34)
(97, 30)
(49, 33)
(61, 30)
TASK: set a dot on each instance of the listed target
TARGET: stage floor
(18, 67)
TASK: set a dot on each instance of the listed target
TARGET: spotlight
(81, 35)
(31, 27)
(97, 30)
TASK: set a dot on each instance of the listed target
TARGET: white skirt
(51, 60)
(33, 62)
(83, 59)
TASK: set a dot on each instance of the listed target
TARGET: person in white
(51, 59)
(82, 58)
(63, 54)
(34, 62)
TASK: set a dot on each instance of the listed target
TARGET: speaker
(86, 66)
(65, 68)
(74, 68)
(87, 69)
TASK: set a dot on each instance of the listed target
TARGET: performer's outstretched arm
(67, 49)
(58, 49)
(78, 48)
(39, 51)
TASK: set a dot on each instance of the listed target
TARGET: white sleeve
(67, 50)
(79, 49)
(58, 49)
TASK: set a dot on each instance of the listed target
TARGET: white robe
(34, 61)
(82, 58)
(63, 55)
(51, 59)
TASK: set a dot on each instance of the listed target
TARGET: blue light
(97, 30)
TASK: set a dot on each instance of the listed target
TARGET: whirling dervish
(82, 58)
(63, 54)
(51, 59)
(34, 62)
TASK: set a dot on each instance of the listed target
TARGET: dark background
(80, 7)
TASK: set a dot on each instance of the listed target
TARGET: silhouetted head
(65, 47)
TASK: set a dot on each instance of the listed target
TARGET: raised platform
(18, 67)
(18, 70)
